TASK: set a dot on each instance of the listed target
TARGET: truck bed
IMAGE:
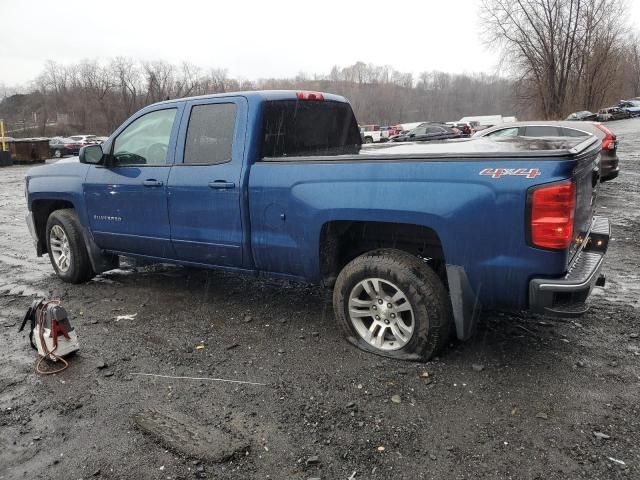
(464, 149)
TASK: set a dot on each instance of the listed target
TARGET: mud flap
(100, 261)
(464, 302)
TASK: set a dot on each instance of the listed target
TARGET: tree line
(96, 97)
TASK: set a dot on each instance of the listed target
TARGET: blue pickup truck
(415, 239)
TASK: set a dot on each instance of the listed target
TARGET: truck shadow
(500, 337)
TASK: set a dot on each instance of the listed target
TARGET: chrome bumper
(566, 296)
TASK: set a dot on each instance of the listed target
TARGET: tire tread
(424, 284)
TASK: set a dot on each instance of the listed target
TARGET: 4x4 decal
(518, 172)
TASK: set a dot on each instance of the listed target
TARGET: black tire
(423, 289)
(57, 154)
(368, 140)
(79, 269)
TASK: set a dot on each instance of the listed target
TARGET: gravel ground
(528, 397)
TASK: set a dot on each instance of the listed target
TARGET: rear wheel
(67, 250)
(368, 140)
(391, 303)
(57, 153)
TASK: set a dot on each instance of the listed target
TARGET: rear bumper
(567, 295)
(609, 167)
(611, 175)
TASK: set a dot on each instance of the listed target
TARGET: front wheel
(391, 303)
(67, 250)
(57, 154)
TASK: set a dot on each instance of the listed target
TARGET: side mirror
(91, 154)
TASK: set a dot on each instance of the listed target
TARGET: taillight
(609, 142)
(551, 215)
(309, 96)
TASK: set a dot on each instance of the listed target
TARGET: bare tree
(552, 45)
(160, 80)
(128, 78)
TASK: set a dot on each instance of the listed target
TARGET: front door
(205, 191)
(127, 198)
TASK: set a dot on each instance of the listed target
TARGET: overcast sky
(251, 38)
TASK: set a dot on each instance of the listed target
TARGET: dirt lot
(528, 398)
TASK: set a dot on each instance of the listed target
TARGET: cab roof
(260, 96)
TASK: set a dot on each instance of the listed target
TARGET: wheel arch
(41, 209)
(343, 240)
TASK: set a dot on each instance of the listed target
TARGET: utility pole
(4, 146)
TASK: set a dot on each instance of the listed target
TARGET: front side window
(419, 131)
(210, 134)
(146, 140)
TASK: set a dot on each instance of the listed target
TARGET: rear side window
(210, 134)
(572, 132)
(542, 131)
(293, 128)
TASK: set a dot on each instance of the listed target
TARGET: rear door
(205, 191)
(127, 200)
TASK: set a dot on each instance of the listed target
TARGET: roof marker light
(317, 96)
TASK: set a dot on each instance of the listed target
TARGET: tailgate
(586, 174)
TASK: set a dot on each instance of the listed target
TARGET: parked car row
(609, 168)
(415, 131)
(623, 109)
(377, 133)
(63, 146)
(428, 131)
(432, 131)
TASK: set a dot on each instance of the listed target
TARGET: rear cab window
(298, 128)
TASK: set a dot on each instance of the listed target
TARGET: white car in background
(85, 139)
(371, 133)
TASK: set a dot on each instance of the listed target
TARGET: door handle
(222, 184)
(152, 182)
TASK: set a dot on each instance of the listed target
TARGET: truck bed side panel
(479, 219)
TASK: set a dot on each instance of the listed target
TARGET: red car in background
(465, 128)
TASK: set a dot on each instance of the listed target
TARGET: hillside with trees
(558, 56)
